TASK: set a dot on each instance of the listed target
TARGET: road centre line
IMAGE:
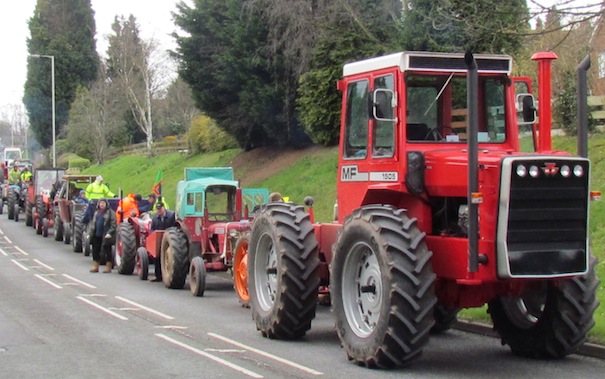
(3, 252)
(21, 250)
(79, 281)
(1, 231)
(20, 265)
(266, 355)
(145, 308)
(7, 239)
(209, 356)
(44, 264)
(47, 281)
(110, 312)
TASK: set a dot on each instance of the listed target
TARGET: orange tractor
(40, 193)
(438, 209)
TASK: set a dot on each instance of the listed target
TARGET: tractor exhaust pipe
(582, 115)
(472, 102)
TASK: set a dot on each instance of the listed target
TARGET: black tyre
(197, 276)
(550, 319)
(382, 288)
(126, 246)
(78, 228)
(175, 258)
(10, 203)
(66, 231)
(445, 318)
(40, 212)
(45, 227)
(283, 271)
(16, 212)
(57, 229)
(29, 219)
(1, 204)
(142, 263)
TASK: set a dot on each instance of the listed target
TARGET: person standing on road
(161, 220)
(98, 190)
(102, 234)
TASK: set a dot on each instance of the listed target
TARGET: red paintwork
(153, 243)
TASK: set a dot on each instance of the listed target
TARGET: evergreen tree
(66, 30)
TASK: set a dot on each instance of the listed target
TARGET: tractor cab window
(220, 203)
(436, 109)
(356, 120)
(383, 136)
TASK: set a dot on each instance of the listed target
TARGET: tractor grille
(543, 218)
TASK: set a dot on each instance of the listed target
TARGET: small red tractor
(212, 219)
(438, 209)
(70, 210)
(17, 194)
(39, 198)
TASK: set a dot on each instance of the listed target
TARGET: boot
(95, 266)
(108, 267)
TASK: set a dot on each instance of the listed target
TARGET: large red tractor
(437, 210)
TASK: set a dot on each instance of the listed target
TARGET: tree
(64, 29)
(176, 110)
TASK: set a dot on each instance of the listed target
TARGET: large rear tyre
(142, 263)
(197, 276)
(58, 229)
(283, 271)
(78, 227)
(40, 212)
(29, 216)
(11, 201)
(240, 270)
(16, 211)
(175, 258)
(550, 319)
(66, 232)
(126, 247)
(45, 227)
(382, 288)
(1, 204)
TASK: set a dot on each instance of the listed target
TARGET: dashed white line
(1, 231)
(3, 252)
(79, 281)
(266, 355)
(145, 308)
(170, 327)
(210, 356)
(21, 250)
(44, 264)
(102, 308)
(47, 281)
(20, 265)
(8, 239)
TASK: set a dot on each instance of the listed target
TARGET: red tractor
(438, 209)
(39, 208)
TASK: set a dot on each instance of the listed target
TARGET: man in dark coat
(162, 219)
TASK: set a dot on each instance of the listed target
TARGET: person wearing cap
(98, 190)
(152, 200)
(161, 220)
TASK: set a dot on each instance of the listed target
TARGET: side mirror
(526, 109)
(383, 105)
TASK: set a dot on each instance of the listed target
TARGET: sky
(153, 16)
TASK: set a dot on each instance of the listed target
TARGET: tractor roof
(200, 185)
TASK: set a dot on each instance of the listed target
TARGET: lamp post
(52, 74)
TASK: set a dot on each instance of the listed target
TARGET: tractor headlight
(534, 171)
(522, 171)
(578, 170)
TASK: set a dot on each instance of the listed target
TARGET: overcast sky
(153, 16)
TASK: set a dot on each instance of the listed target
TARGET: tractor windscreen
(220, 203)
(437, 111)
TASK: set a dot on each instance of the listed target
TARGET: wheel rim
(266, 272)
(362, 289)
(241, 272)
(525, 310)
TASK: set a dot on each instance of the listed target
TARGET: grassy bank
(312, 172)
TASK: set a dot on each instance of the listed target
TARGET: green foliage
(80, 163)
(565, 107)
(66, 30)
(205, 136)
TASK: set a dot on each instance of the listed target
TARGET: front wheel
(78, 228)
(240, 270)
(283, 271)
(16, 211)
(197, 276)
(66, 232)
(175, 258)
(382, 288)
(44, 227)
(548, 319)
(142, 263)
(58, 228)
(126, 248)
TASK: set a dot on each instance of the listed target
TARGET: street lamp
(52, 73)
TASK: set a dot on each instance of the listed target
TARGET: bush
(565, 107)
(205, 136)
(78, 163)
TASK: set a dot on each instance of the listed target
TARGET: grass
(315, 175)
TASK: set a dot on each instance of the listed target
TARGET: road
(57, 320)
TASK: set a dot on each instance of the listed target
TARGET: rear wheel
(40, 211)
(197, 276)
(142, 263)
(240, 270)
(11, 201)
(16, 212)
(29, 219)
(45, 227)
(382, 288)
(283, 271)
(549, 319)
(66, 232)
(174, 256)
(1, 205)
(126, 247)
(58, 228)
(78, 227)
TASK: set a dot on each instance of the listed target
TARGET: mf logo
(351, 174)
(550, 169)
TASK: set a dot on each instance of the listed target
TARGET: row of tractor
(438, 209)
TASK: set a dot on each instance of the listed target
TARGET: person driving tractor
(26, 175)
(14, 176)
(98, 190)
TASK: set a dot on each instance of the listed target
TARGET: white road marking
(210, 356)
(20, 265)
(3, 252)
(42, 278)
(157, 313)
(1, 231)
(226, 350)
(79, 281)
(170, 327)
(100, 307)
(43, 264)
(8, 239)
(21, 250)
(266, 355)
